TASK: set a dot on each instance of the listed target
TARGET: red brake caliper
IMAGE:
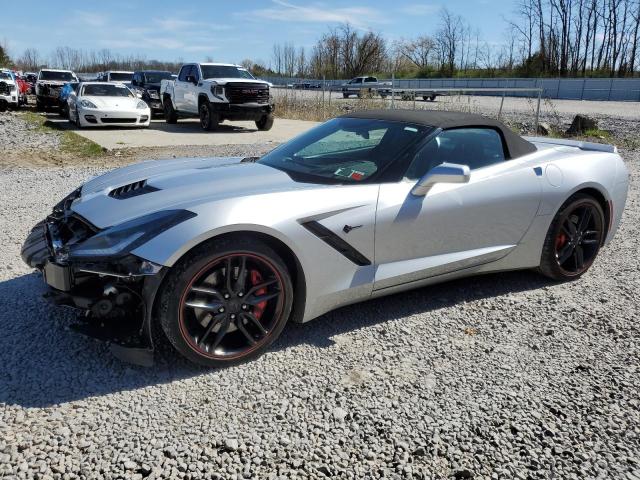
(561, 239)
(256, 279)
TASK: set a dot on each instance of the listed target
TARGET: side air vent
(336, 242)
(132, 190)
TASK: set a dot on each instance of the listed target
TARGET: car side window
(184, 72)
(358, 80)
(370, 79)
(475, 147)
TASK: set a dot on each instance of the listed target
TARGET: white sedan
(99, 104)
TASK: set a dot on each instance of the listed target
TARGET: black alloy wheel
(209, 120)
(228, 307)
(574, 238)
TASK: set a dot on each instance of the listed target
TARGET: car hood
(177, 184)
(112, 102)
(224, 81)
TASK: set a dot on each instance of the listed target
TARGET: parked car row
(211, 92)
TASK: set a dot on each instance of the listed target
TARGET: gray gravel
(500, 376)
(16, 134)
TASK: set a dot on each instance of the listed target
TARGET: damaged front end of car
(92, 270)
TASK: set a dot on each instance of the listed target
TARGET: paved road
(188, 132)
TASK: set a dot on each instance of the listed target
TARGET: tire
(209, 120)
(574, 238)
(3, 106)
(170, 115)
(265, 123)
(39, 106)
(345, 95)
(192, 331)
(77, 119)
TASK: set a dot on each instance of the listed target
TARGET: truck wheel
(208, 118)
(265, 123)
(345, 95)
(39, 106)
(170, 115)
(3, 106)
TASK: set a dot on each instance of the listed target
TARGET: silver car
(215, 255)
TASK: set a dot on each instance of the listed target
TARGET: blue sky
(227, 31)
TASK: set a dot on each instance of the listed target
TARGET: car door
(454, 226)
(179, 88)
(191, 92)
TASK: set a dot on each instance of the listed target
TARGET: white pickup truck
(215, 92)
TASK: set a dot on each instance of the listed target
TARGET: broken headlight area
(93, 270)
(112, 299)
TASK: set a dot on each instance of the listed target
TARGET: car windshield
(120, 76)
(156, 77)
(56, 76)
(345, 150)
(106, 90)
(224, 71)
(5, 76)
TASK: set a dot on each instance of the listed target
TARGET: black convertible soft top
(516, 146)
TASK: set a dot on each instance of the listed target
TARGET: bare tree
(418, 51)
(449, 37)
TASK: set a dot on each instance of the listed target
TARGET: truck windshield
(5, 76)
(120, 77)
(345, 150)
(57, 76)
(156, 77)
(224, 71)
(106, 90)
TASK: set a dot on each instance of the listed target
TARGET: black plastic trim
(337, 243)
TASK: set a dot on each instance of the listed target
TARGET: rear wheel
(170, 114)
(209, 120)
(345, 95)
(574, 238)
(265, 123)
(225, 302)
(39, 106)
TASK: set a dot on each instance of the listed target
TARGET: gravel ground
(500, 376)
(16, 134)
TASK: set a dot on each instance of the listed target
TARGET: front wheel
(209, 120)
(265, 123)
(77, 119)
(225, 302)
(574, 238)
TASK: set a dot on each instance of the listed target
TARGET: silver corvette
(214, 255)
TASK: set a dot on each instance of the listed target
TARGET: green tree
(5, 61)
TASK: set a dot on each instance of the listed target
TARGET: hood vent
(132, 190)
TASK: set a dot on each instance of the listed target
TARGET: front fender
(170, 246)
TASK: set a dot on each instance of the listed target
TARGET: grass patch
(70, 142)
(597, 133)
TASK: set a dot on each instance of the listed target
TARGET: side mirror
(443, 173)
(191, 79)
